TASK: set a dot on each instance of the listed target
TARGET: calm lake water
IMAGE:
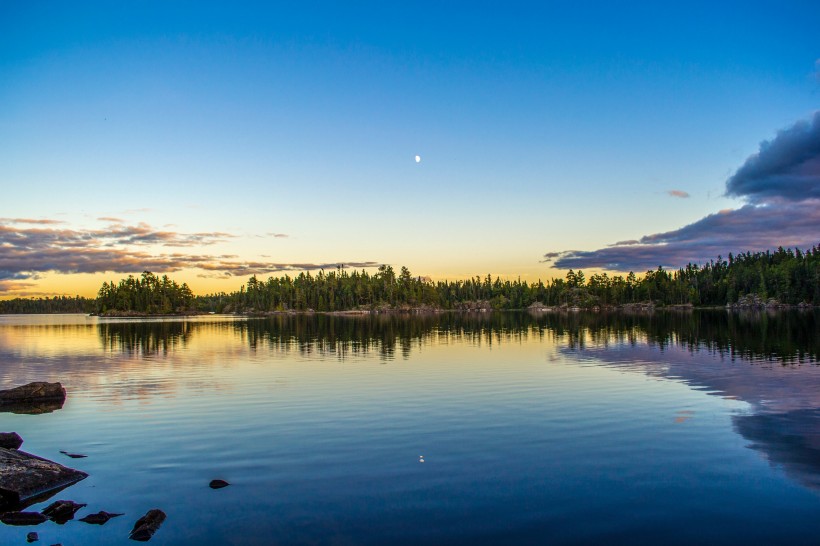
(690, 428)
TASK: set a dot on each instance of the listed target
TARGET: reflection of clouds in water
(790, 440)
(784, 424)
(683, 416)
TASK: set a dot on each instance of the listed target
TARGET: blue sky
(215, 142)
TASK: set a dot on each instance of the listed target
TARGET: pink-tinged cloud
(678, 193)
(749, 228)
(25, 252)
(40, 221)
(781, 184)
(18, 287)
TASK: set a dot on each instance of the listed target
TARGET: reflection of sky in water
(318, 423)
(783, 421)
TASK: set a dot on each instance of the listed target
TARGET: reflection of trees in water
(785, 336)
(384, 334)
(144, 338)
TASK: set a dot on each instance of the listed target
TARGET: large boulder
(25, 477)
(36, 397)
(10, 440)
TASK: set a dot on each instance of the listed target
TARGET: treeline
(147, 294)
(787, 276)
(57, 304)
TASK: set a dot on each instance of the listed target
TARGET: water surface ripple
(673, 428)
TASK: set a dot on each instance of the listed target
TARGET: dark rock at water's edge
(100, 518)
(33, 398)
(32, 537)
(23, 518)
(218, 484)
(61, 511)
(24, 477)
(10, 440)
(147, 525)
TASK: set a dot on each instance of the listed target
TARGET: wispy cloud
(29, 251)
(781, 185)
(40, 221)
(20, 288)
(678, 193)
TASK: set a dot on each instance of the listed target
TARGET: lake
(671, 427)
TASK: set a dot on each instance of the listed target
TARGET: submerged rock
(37, 397)
(73, 455)
(100, 518)
(218, 484)
(24, 477)
(23, 518)
(147, 525)
(61, 511)
(10, 440)
(32, 537)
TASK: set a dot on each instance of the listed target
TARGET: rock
(24, 476)
(100, 518)
(37, 397)
(22, 518)
(218, 484)
(147, 525)
(33, 392)
(61, 511)
(10, 440)
(74, 455)
(32, 537)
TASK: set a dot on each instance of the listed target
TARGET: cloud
(781, 187)
(678, 193)
(111, 219)
(14, 286)
(787, 167)
(278, 235)
(41, 221)
(29, 251)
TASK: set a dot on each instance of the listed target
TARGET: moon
(418, 159)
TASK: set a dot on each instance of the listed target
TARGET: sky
(214, 142)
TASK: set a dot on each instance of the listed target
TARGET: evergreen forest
(785, 276)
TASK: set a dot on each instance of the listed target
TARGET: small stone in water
(61, 511)
(74, 455)
(147, 525)
(100, 518)
(23, 518)
(218, 484)
(32, 537)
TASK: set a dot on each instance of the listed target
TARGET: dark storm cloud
(781, 184)
(786, 167)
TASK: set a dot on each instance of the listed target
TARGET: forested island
(786, 277)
